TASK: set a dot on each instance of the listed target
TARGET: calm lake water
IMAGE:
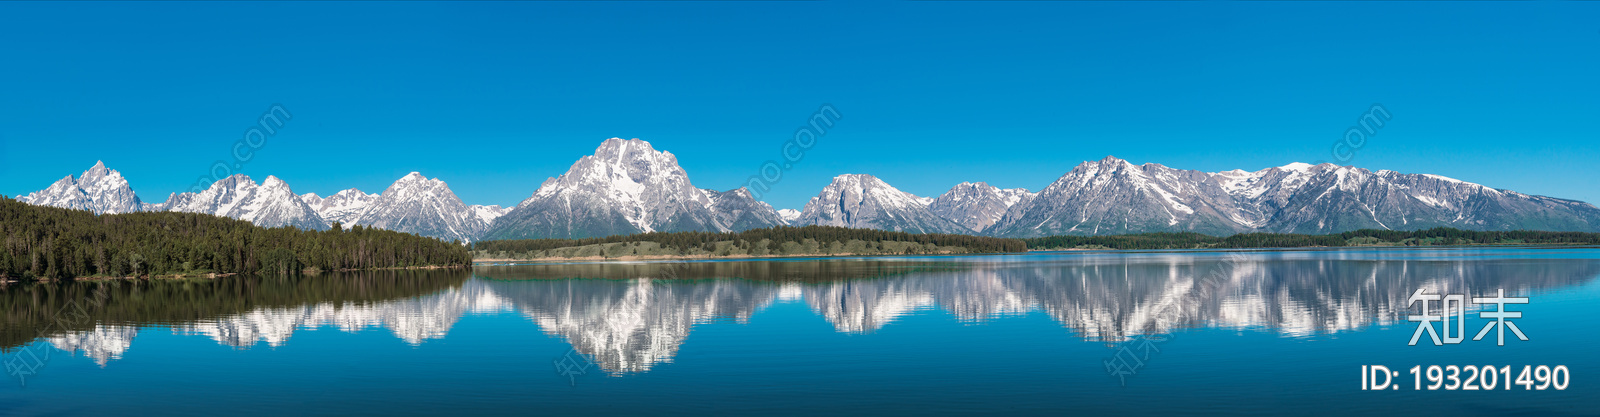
(1255, 333)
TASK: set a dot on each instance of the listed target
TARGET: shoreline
(215, 275)
(633, 258)
(636, 258)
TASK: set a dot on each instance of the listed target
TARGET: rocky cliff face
(739, 211)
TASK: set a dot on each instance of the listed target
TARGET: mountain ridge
(627, 187)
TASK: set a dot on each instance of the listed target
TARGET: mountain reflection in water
(630, 317)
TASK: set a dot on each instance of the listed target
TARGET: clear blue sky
(495, 97)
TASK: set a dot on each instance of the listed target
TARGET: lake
(1127, 333)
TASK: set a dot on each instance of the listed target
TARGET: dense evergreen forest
(774, 241)
(49, 242)
(1365, 237)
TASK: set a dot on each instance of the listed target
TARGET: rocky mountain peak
(789, 215)
(100, 190)
(627, 186)
(269, 204)
(737, 210)
(274, 181)
(343, 207)
(97, 172)
(864, 201)
(423, 206)
(977, 205)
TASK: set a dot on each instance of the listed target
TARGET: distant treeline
(794, 271)
(779, 240)
(1364, 237)
(49, 242)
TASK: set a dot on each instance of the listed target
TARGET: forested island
(56, 243)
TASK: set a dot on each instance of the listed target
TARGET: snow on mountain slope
(629, 187)
(100, 190)
(427, 207)
(977, 205)
(788, 215)
(488, 213)
(343, 207)
(739, 211)
(864, 201)
(1112, 196)
(269, 204)
(625, 187)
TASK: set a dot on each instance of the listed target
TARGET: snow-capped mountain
(412, 204)
(100, 190)
(418, 205)
(740, 211)
(788, 215)
(343, 207)
(864, 201)
(1327, 198)
(1113, 196)
(625, 187)
(977, 205)
(489, 213)
(269, 204)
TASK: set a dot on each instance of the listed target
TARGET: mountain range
(627, 186)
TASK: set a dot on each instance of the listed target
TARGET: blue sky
(495, 97)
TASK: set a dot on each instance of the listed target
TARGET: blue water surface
(1241, 333)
